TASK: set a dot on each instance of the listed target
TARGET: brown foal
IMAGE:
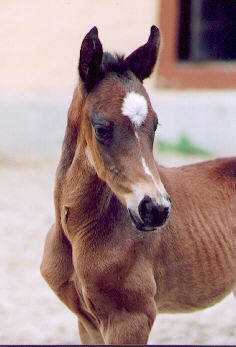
(122, 249)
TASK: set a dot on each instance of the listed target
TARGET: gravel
(30, 313)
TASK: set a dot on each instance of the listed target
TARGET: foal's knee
(129, 328)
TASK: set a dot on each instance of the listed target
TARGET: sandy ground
(29, 311)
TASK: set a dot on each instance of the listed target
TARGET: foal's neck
(87, 194)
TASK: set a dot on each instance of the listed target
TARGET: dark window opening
(207, 30)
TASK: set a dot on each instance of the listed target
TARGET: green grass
(183, 146)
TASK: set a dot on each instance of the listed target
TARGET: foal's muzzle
(151, 214)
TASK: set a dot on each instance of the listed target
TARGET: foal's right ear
(91, 53)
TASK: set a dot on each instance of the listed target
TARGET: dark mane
(114, 63)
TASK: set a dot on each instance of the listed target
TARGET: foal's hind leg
(58, 271)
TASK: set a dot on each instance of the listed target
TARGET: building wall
(40, 40)
(39, 50)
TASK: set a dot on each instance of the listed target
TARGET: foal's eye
(103, 128)
(102, 132)
(155, 125)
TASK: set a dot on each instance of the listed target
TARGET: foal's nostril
(151, 213)
(145, 206)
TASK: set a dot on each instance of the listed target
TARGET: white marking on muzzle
(162, 198)
(146, 169)
(89, 157)
(140, 190)
(135, 107)
(133, 199)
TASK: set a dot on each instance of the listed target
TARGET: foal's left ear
(142, 61)
(91, 53)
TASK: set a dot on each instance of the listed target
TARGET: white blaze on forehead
(135, 107)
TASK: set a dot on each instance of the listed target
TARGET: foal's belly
(193, 276)
(187, 304)
(188, 290)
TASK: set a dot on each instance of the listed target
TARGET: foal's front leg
(89, 336)
(58, 271)
(128, 328)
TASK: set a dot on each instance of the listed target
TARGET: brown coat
(112, 276)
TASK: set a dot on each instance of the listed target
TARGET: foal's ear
(90, 59)
(142, 61)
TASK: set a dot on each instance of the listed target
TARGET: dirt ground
(30, 313)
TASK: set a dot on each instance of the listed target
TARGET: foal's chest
(117, 278)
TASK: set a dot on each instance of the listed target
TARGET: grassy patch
(183, 146)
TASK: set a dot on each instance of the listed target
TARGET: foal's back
(195, 264)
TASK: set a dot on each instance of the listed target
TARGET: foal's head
(118, 124)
